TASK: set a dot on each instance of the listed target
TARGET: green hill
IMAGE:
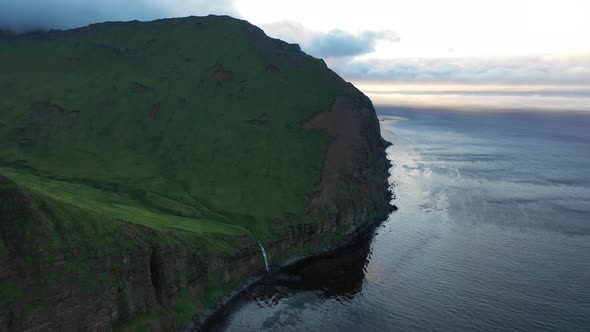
(139, 159)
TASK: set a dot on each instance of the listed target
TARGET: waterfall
(263, 255)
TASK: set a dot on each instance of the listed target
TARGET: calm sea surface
(492, 234)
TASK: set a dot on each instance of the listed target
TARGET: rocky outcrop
(353, 182)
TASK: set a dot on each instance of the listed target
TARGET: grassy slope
(53, 231)
(200, 165)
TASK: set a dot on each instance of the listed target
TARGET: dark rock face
(355, 159)
(151, 275)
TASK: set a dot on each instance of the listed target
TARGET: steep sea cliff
(145, 162)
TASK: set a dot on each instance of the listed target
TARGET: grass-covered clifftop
(195, 118)
(125, 140)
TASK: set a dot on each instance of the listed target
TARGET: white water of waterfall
(263, 255)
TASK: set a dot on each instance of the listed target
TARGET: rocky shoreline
(201, 320)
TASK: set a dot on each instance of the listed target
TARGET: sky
(512, 49)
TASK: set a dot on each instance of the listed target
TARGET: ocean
(492, 234)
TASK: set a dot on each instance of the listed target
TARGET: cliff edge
(143, 162)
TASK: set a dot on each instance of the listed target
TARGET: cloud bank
(350, 54)
(539, 69)
(335, 43)
(338, 43)
(26, 15)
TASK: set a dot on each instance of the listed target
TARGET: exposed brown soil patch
(220, 74)
(42, 114)
(155, 110)
(261, 120)
(271, 69)
(44, 111)
(355, 153)
(138, 87)
(342, 123)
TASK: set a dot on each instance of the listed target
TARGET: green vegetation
(183, 133)
(10, 291)
(129, 120)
